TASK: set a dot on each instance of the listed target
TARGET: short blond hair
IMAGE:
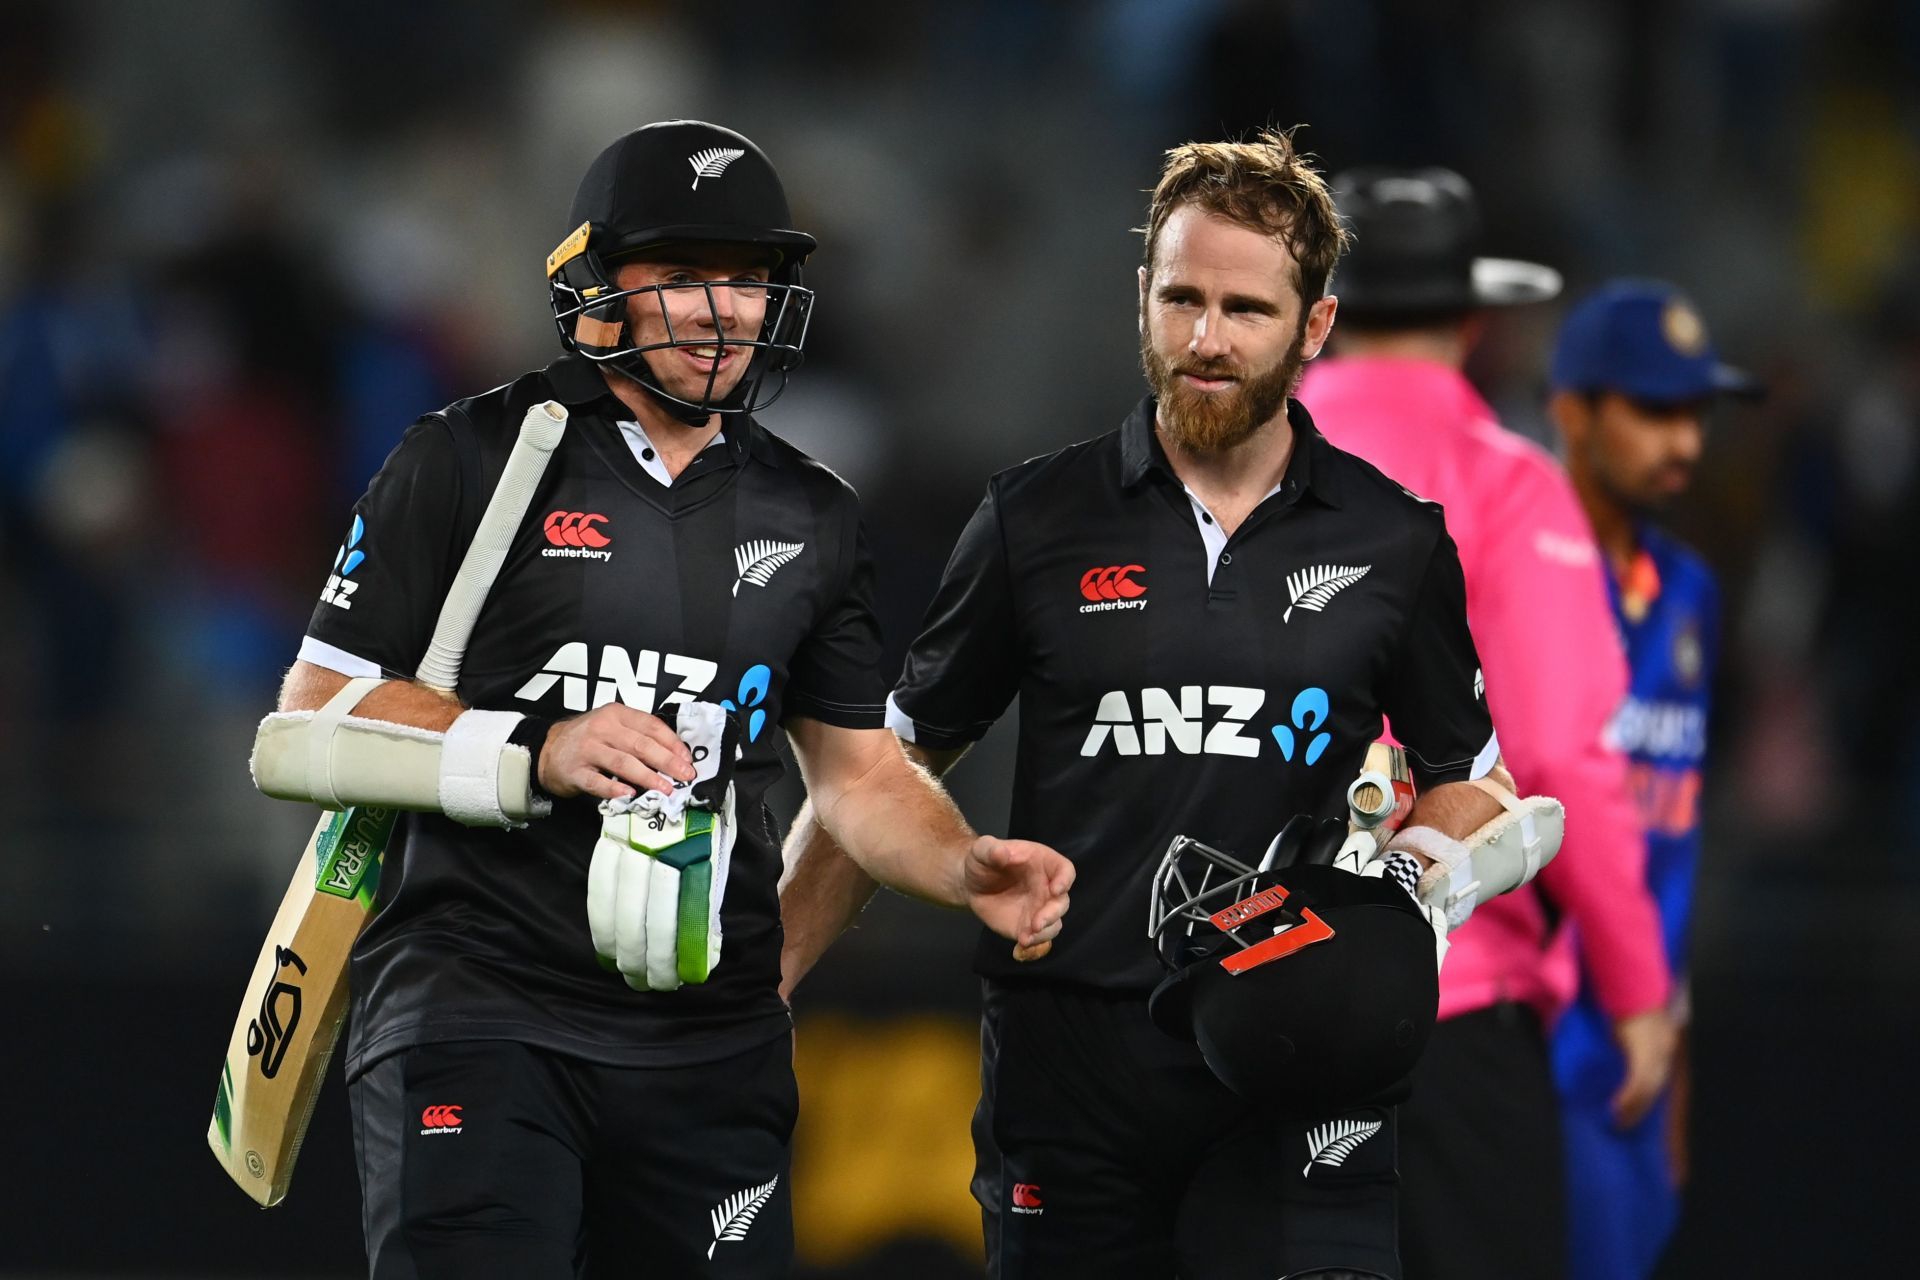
(1266, 185)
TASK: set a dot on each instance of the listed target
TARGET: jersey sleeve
(964, 667)
(1556, 676)
(835, 673)
(1433, 694)
(394, 563)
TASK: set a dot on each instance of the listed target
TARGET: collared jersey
(746, 582)
(1168, 686)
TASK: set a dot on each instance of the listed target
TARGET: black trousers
(1106, 1149)
(491, 1158)
(1480, 1155)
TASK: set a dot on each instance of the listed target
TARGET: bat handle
(540, 433)
(1370, 801)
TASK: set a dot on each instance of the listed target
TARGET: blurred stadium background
(243, 243)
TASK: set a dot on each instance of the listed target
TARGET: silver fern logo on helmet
(1334, 1141)
(1313, 588)
(712, 162)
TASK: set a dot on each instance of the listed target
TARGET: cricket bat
(296, 998)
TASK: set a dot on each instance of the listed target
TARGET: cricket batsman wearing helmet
(568, 1052)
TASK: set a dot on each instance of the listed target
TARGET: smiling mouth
(706, 358)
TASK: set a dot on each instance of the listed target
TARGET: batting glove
(659, 870)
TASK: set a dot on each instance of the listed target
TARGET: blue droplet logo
(353, 559)
(1311, 709)
(752, 692)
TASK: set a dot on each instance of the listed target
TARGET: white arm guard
(327, 757)
(1501, 856)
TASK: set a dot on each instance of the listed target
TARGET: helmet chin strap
(691, 414)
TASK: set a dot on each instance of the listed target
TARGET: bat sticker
(270, 1034)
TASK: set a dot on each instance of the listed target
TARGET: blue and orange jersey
(1668, 608)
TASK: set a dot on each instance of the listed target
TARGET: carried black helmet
(1307, 988)
(680, 181)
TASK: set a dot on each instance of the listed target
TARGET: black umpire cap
(1416, 249)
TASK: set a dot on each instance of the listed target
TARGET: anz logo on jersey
(1197, 720)
(634, 677)
(637, 678)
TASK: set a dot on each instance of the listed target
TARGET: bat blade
(295, 1002)
(297, 996)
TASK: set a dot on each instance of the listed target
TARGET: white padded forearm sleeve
(1500, 856)
(470, 773)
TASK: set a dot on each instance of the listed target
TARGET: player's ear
(1319, 325)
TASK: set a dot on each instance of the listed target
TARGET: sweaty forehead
(1199, 249)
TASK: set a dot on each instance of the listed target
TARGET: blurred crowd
(243, 245)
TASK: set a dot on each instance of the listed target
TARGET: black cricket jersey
(1171, 685)
(746, 581)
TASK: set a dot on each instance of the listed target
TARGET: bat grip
(540, 434)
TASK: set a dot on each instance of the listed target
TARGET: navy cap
(1644, 339)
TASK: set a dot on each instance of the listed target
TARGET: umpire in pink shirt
(1480, 1155)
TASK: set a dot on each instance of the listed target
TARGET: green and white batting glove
(659, 869)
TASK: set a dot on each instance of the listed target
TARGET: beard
(1211, 422)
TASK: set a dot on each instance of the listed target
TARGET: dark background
(243, 244)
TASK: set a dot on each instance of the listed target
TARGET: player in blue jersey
(1634, 375)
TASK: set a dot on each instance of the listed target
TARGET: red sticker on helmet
(1310, 930)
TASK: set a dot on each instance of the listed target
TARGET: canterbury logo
(575, 529)
(440, 1119)
(756, 562)
(1026, 1198)
(1312, 588)
(1335, 1140)
(734, 1215)
(1112, 583)
(712, 162)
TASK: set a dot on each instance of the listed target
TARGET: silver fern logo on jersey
(1334, 1141)
(758, 561)
(1313, 588)
(733, 1216)
(712, 162)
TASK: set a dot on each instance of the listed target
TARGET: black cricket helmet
(1308, 988)
(680, 181)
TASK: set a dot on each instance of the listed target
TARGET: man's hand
(1019, 890)
(613, 752)
(1647, 1042)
